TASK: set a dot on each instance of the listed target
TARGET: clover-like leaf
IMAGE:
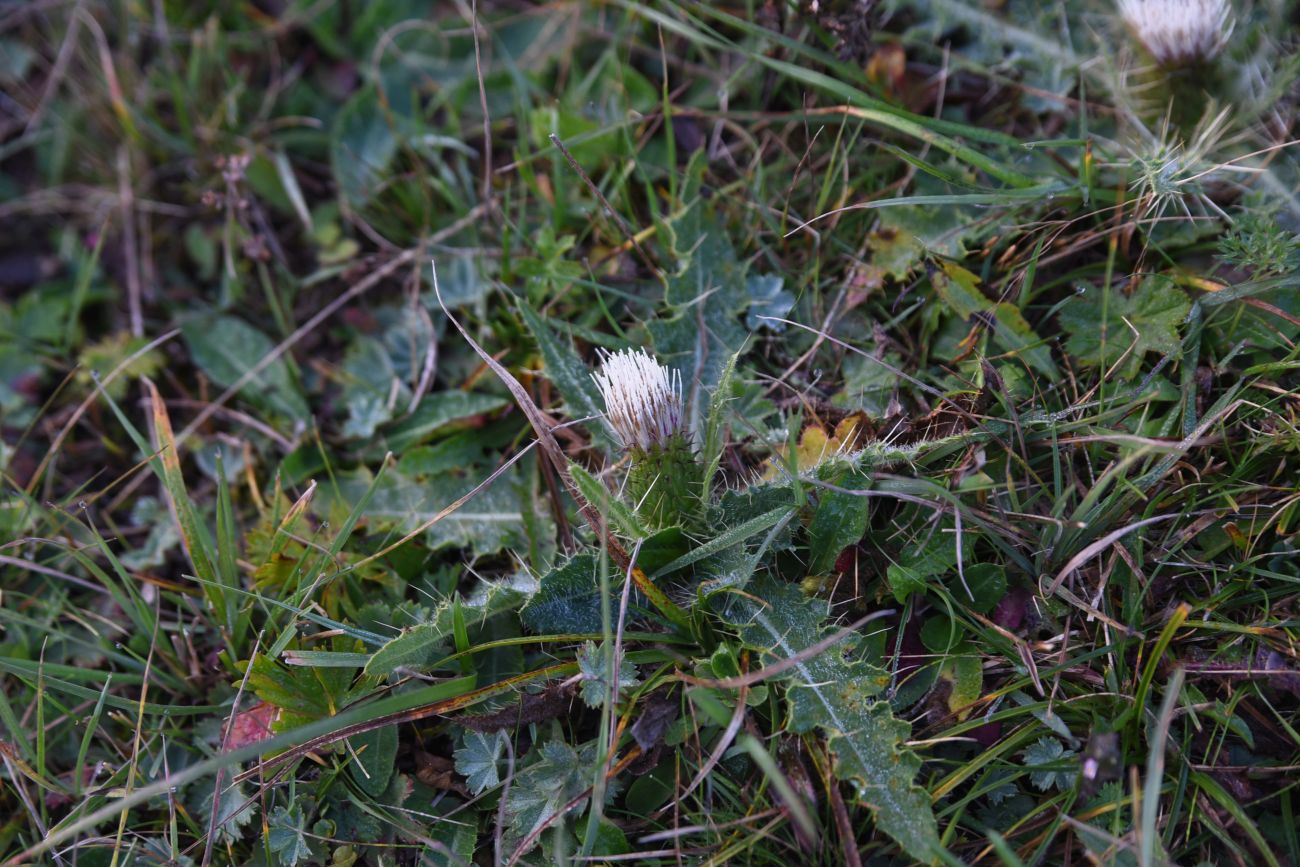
(1103, 324)
(478, 758)
(593, 665)
(1047, 752)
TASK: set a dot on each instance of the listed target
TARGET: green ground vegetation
(311, 554)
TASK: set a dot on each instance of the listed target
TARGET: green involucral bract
(663, 483)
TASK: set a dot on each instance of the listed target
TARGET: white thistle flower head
(1179, 31)
(643, 399)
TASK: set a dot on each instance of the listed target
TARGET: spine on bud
(663, 483)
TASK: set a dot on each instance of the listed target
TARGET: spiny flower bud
(643, 403)
(1179, 32)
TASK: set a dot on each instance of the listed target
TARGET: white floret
(1179, 31)
(643, 399)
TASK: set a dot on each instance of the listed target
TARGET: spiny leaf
(609, 505)
(832, 692)
(569, 374)
(418, 646)
(568, 599)
(702, 329)
(423, 644)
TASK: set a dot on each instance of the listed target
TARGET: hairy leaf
(569, 374)
(568, 599)
(227, 348)
(490, 520)
(706, 295)
(422, 645)
(478, 758)
(833, 693)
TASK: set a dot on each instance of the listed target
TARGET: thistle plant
(643, 404)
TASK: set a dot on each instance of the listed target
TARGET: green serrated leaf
(303, 694)
(838, 522)
(833, 693)
(593, 666)
(287, 837)
(569, 375)
(478, 759)
(456, 841)
(567, 599)
(235, 809)
(1049, 752)
(543, 789)
(1099, 321)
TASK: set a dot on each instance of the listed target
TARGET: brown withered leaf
(438, 772)
(252, 725)
(954, 415)
(533, 707)
(658, 711)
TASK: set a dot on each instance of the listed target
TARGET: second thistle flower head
(643, 399)
(1178, 32)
